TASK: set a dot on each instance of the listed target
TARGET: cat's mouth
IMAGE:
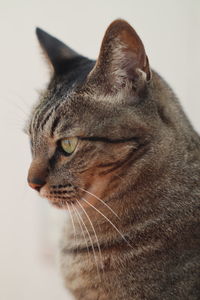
(65, 196)
(61, 196)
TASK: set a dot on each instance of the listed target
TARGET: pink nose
(36, 183)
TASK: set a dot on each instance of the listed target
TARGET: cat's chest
(85, 274)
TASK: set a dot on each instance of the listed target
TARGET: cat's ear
(56, 52)
(122, 58)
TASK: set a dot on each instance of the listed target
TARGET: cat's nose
(36, 183)
(37, 174)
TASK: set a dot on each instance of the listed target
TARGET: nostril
(36, 183)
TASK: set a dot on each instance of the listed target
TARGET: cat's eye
(69, 144)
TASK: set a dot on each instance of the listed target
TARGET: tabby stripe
(33, 123)
(37, 116)
(46, 118)
(117, 165)
(65, 192)
(138, 154)
(61, 186)
(42, 112)
(86, 150)
(105, 165)
(107, 140)
(117, 245)
(34, 119)
(54, 125)
(49, 114)
(66, 197)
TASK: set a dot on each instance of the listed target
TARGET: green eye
(69, 144)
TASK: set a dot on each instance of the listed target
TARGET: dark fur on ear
(60, 56)
(122, 57)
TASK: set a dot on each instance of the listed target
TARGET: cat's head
(96, 120)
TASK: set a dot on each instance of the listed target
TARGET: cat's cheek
(93, 188)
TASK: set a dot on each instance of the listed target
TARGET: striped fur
(131, 186)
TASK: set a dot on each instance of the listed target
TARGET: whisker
(79, 221)
(74, 229)
(101, 202)
(108, 221)
(98, 245)
(93, 250)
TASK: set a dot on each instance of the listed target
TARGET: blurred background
(29, 227)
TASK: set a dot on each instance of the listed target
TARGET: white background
(170, 31)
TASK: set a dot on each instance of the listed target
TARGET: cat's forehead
(78, 112)
(67, 109)
(84, 99)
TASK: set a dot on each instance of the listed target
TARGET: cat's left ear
(122, 59)
(57, 53)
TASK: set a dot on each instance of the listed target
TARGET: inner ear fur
(122, 57)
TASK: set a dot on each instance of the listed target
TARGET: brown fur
(137, 154)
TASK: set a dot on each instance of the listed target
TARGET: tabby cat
(111, 144)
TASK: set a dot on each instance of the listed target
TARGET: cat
(111, 143)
